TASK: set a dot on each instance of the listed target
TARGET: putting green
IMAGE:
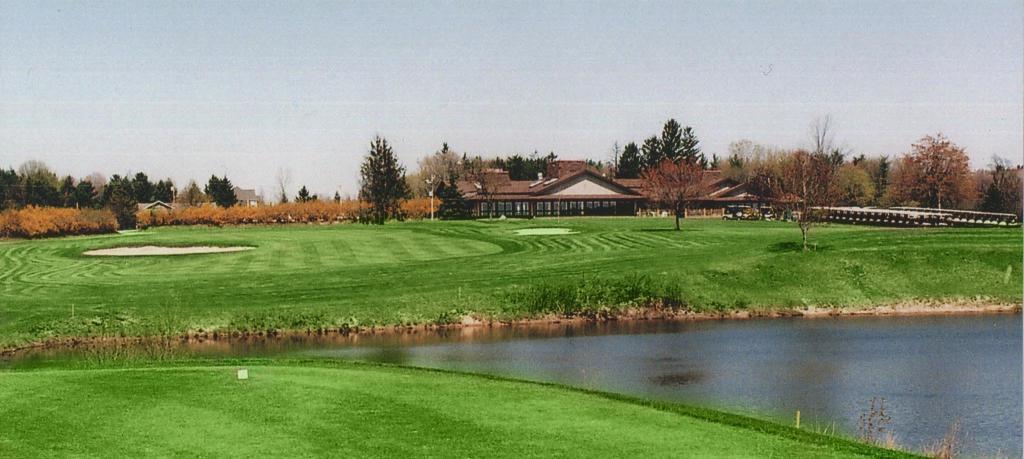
(362, 411)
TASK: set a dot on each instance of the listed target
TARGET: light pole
(430, 192)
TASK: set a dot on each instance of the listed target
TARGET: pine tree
(652, 152)
(690, 149)
(630, 162)
(163, 191)
(119, 195)
(671, 140)
(304, 195)
(9, 189)
(337, 197)
(85, 194)
(221, 191)
(453, 203)
(382, 183)
(142, 189)
(67, 192)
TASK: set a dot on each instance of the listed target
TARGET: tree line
(935, 172)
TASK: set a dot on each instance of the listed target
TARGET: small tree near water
(382, 183)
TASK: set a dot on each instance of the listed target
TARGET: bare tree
(98, 181)
(443, 164)
(479, 174)
(823, 141)
(284, 179)
(822, 137)
(675, 184)
(808, 183)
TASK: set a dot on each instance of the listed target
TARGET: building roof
(154, 205)
(244, 194)
(571, 173)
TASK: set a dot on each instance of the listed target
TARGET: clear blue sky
(185, 89)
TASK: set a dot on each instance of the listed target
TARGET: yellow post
(797, 419)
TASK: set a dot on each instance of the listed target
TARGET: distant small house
(156, 206)
(247, 198)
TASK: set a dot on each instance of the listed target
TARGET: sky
(186, 89)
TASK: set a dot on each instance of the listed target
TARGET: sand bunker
(149, 250)
(544, 231)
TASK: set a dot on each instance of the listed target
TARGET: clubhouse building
(571, 188)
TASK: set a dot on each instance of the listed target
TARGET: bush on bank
(32, 222)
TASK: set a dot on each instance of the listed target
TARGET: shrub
(34, 222)
(293, 212)
(417, 208)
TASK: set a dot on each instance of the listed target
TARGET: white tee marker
(243, 373)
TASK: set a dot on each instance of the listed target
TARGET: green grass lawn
(303, 276)
(324, 409)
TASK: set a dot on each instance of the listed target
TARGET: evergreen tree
(630, 162)
(10, 189)
(85, 194)
(142, 188)
(304, 195)
(67, 192)
(221, 192)
(881, 178)
(119, 195)
(671, 140)
(164, 191)
(382, 182)
(690, 149)
(1003, 194)
(652, 152)
(715, 163)
(453, 203)
(108, 190)
(337, 197)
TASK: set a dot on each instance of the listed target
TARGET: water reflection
(931, 370)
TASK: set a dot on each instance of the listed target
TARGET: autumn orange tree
(936, 173)
(675, 184)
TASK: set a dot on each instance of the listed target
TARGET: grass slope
(311, 276)
(322, 409)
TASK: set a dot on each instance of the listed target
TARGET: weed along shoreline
(470, 322)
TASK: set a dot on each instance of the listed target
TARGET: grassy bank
(321, 408)
(313, 276)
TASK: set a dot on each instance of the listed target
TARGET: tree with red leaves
(675, 184)
(936, 173)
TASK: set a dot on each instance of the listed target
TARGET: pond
(931, 371)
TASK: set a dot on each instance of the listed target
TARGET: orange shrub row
(293, 212)
(418, 208)
(55, 221)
